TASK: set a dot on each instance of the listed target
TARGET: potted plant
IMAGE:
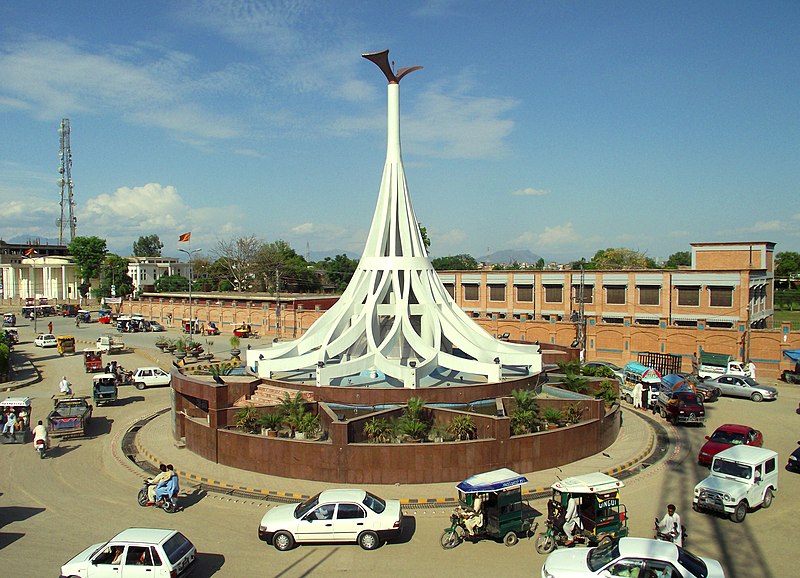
(440, 433)
(235, 351)
(162, 344)
(248, 420)
(414, 430)
(462, 427)
(607, 392)
(378, 430)
(270, 422)
(292, 408)
(193, 348)
(307, 426)
(574, 412)
(552, 415)
(180, 349)
(171, 347)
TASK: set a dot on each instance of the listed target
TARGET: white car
(333, 516)
(630, 557)
(150, 377)
(45, 340)
(135, 552)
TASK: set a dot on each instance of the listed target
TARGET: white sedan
(45, 340)
(630, 557)
(150, 377)
(333, 516)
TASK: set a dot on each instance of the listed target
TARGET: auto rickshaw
(191, 326)
(21, 406)
(92, 360)
(212, 329)
(602, 519)
(104, 316)
(495, 499)
(12, 336)
(104, 388)
(9, 320)
(243, 330)
(65, 344)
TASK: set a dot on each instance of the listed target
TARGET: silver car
(738, 386)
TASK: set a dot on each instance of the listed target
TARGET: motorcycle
(670, 536)
(169, 504)
(41, 447)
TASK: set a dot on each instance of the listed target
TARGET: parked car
(150, 377)
(136, 552)
(706, 391)
(726, 436)
(616, 369)
(740, 386)
(156, 326)
(742, 478)
(45, 340)
(630, 557)
(333, 516)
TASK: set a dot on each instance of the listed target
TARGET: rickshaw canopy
(494, 481)
(16, 402)
(594, 483)
(104, 377)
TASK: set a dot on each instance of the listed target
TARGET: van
(742, 478)
(633, 373)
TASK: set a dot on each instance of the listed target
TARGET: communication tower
(65, 181)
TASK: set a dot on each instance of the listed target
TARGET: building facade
(145, 271)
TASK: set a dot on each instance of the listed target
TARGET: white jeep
(742, 478)
(150, 376)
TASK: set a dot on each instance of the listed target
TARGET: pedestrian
(64, 386)
(637, 395)
(750, 370)
(50, 327)
(77, 320)
(169, 319)
(695, 365)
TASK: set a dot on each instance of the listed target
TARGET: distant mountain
(315, 256)
(508, 256)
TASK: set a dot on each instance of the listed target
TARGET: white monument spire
(396, 317)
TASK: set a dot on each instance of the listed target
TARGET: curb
(273, 495)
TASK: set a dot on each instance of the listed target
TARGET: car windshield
(692, 563)
(727, 437)
(304, 507)
(374, 503)
(750, 381)
(602, 555)
(734, 469)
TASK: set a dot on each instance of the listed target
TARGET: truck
(110, 343)
(70, 417)
(742, 479)
(716, 364)
(678, 402)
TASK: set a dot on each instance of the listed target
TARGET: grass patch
(784, 315)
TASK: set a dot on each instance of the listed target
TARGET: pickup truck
(110, 343)
(70, 417)
(716, 364)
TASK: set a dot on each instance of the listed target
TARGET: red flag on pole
(184, 238)
(29, 252)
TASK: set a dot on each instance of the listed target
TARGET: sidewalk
(155, 445)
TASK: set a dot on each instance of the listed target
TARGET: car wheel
(701, 398)
(510, 539)
(368, 540)
(283, 541)
(767, 498)
(757, 397)
(139, 385)
(740, 512)
(545, 544)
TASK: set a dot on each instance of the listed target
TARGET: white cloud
(765, 226)
(557, 236)
(448, 239)
(529, 192)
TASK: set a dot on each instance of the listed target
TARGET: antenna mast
(65, 170)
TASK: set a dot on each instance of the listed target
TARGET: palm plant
(553, 415)
(414, 429)
(462, 427)
(292, 409)
(378, 430)
(308, 424)
(607, 392)
(271, 421)
(576, 382)
(247, 419)
(415, 408)
(525, 416)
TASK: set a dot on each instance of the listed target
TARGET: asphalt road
(86, 491)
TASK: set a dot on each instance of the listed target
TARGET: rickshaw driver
(473, 518)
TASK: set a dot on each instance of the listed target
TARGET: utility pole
(277, 304)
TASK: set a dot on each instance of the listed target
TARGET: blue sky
(558, 127)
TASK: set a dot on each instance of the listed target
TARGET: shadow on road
(408, 526)
(208, 564)
(100, 425)
(8, 538)
(193, 497)
(56, 451)
(128, 400)
(10, 514)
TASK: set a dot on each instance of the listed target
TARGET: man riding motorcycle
(40, 433)
(155, 482)
(168, 488)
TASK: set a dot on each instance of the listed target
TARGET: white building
(145, 271)
(50, 276)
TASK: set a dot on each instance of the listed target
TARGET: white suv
(150, 376)
(742, 478)
(143, 551)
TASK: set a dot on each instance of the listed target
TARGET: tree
(461, 262)
(338, 271)
(425, 240)
(89, 254)
(115, 272)
(277, 262)
(148, 246)
(238, 259)
(622, 259)
(171, 284)
(681, 258)
(787, 264)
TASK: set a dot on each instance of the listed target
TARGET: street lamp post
(190, 253)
